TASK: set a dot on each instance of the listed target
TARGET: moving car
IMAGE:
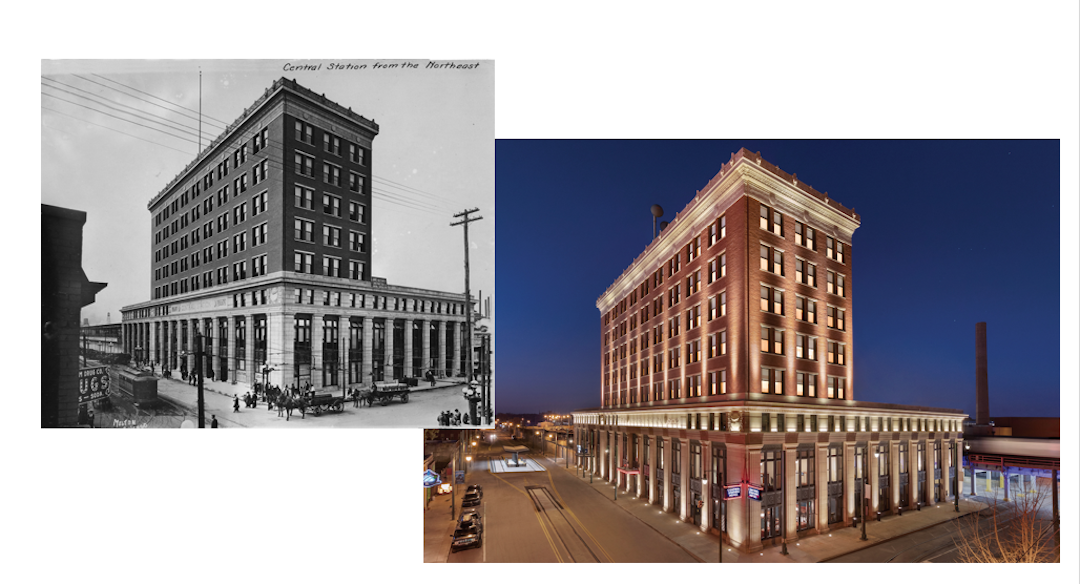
(466, 537)
(472, 496)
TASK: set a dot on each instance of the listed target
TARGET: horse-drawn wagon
(384, 392)
(322, 402)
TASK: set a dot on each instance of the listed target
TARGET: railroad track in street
(571, 544)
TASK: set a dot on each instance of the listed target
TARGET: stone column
(707, 487)
(317, 351)
(665, 495)
(442, 349)
(894, 475)
(751, 511)
(852, 486)
(407, 370)
(686, 498)
(254, 369)
(821, 488)
(368, 334)
(652, 495)
(875, 482)
(280, 334)
(388, 353)
(455, 366)
(789, 486)
(425, 342)
(230, 334)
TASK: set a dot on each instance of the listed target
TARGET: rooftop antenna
(657, 212)
(200, 112)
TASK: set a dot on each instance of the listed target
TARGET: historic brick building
(262, 245)
(727, 361)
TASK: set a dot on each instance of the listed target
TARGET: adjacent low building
(262, 246)
(727, 390)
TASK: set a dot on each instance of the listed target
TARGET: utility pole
(198, 367)
(468, 307)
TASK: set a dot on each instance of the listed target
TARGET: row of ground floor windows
(171, 344)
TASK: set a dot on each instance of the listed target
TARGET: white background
(346, 505)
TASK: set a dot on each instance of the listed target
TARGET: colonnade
(321, 347)
(816, 482)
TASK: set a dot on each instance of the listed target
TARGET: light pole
(863, 507)
(956, 477)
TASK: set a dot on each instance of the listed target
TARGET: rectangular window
(806, 384)
(772, 380)
(834, 249)
(332, 266)
(240, 242)
(331, 143)
(332, 205)
(772, 300)
(356, 270)
(805, 347)
(772, 340)
(258, 235)
(693, 351)
(331, 236)
(835, 317)
(805, 272)
(304, 132)
(772, 220)
(834, 283)
(258, 204)
(356, 182)
(357, 212)
(693, 249)
(331, 174)
(836, 353)
(693, 317)
(356, 154)
(305, 198)
(303, 262)
(258, 172)
(772, 260)
(806, 309)
(239, 271)
(357, 242)
(673, 264)
(693, 282)
(304, 230)
(257, 144)
(305, 165)
(239, 214)
(258, 266)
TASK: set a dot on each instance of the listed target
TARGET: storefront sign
(459, 477)
(753, 492)
(431, 478)
(732, 492)
(93, 384)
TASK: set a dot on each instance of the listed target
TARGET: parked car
(471, 519)
(472, 496)
(466, 537)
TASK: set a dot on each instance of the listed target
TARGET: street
(553, 516)
(421, 410)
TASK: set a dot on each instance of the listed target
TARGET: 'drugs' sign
(93, 384)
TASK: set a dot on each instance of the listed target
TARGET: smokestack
(982, 394)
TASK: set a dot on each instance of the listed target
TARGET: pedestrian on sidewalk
(213, 421)
(235, 404)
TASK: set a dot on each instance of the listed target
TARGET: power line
(119, 118)
(96, 100)
(108, 128)
(407, 187)
(159, 99)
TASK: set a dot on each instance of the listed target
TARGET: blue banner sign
(732, 492)
(753, 492)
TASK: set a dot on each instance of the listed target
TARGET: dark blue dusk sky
(952, 233)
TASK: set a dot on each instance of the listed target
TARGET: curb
(830, 558)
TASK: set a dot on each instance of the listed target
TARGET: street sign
(753, 492)
(93, 384)
(431, 478)
(459, 477)
(732, 492)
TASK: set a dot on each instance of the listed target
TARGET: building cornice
(279, 88)
(746, 173)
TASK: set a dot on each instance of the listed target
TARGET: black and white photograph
(300, 243)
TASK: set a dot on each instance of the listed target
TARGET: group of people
(452, 419)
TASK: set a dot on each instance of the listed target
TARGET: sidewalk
(438, 529)
(809, 549)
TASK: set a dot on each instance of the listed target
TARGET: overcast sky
(433, 157)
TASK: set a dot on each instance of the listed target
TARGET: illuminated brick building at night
(726, 360)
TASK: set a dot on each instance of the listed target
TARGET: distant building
(726, 360)
(64, 291)
(263, 246)
(103, 338)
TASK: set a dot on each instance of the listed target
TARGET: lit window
(772, 260)
(693, 282)
(772, 220)
(772, 300)
(772, 340)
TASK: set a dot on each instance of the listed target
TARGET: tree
(1017, 531)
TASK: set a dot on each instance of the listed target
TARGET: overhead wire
(108, 128)
(137, 113)
(205, 116)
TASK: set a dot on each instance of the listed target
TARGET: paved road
(551, 516)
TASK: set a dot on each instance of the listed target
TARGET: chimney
(982, 395)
